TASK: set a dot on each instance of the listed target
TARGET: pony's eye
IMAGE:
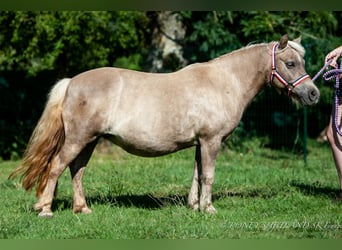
(290, 65)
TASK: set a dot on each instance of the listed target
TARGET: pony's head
(288, 71)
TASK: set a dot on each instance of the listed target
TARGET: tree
(166, 54)
(210, 34)
(38, 48)
(69, 41)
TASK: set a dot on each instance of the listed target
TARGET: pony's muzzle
(314, 96)
(307, 94)
(310, 96)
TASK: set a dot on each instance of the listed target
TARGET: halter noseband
(274, 73)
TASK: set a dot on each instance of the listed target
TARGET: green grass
(260, 193)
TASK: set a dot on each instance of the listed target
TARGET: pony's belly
(151, 147)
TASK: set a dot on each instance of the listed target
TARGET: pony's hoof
(82, 210)
(45, 214)
(37, 207)
(86, 210)
(210, 209)
(194, 207)
(44, 211)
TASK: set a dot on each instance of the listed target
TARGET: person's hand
(334, 55)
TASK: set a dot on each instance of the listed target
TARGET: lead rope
(328, 76)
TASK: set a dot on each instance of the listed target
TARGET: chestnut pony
(153, 114)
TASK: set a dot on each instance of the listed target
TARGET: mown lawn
(259, 193)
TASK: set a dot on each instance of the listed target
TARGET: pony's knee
(207, 180)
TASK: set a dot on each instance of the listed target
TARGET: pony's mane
(294, 45)
(237, 50)
(298, 47)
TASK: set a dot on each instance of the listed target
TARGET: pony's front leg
(209, 151)
(193, 198)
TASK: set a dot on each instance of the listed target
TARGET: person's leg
(336, 147)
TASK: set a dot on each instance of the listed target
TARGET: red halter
(289, 85)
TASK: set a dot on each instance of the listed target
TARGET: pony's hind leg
(58, 164)
(43, 206)
(77, 168)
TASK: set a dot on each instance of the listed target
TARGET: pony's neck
(250, 68)
(254, 64)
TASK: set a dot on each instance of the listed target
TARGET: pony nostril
(314, 95)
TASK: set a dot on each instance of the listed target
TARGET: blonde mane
(294, 45)
(298, 47)
(237, 51)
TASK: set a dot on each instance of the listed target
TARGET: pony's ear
(283, 41)
(298, 39)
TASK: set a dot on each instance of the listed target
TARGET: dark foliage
(39, 48)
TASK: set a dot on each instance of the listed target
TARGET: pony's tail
(45, 142)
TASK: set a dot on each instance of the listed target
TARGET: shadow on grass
(151, 201)
(316, 189)
(145, 201)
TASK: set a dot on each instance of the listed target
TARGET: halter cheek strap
(274, 73)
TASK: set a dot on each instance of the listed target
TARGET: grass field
(259, 193)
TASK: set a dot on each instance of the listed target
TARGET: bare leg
(193, 199)
(77, 168)
(336, 147)
(209, 151)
